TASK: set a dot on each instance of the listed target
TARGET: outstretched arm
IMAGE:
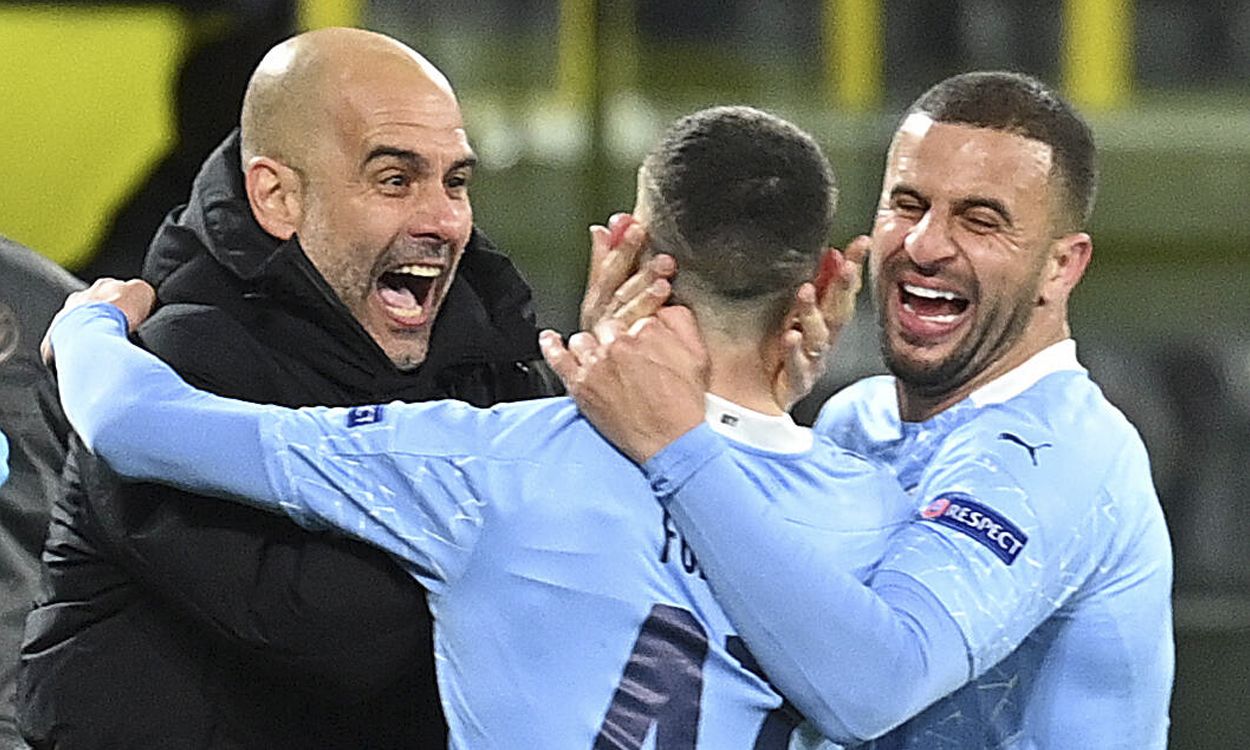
(135, 412)
(323, 467)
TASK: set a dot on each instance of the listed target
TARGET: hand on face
(642, 387)
(135, 298)
(823, 309)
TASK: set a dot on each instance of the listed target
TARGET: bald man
(327, 255)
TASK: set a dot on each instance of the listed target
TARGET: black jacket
(171, 622)
(32, 289)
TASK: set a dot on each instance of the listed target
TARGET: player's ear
(1069, 257)
(275, 193)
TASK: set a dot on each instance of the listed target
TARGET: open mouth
(932, 305)
(406, 292)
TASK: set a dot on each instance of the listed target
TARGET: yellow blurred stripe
(854, 53)
(1097, 52)
(575, 52)
(318, 14)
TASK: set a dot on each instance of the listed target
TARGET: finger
(599, 249)
(857, 252)
(800, 372)
(136, 300)
(681, 321)
(798, 363)
(659, 267)
(813, 339)
(558, 357)
(611, 267)
(644, 305)
(617, 226)
(584, 348)
(607, 331)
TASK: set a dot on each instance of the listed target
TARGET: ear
(275, 194)
(1069, 257)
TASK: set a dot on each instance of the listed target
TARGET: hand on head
(639, 370)
(135, 298)
(617, 288)
(644, 386)
(823, 309)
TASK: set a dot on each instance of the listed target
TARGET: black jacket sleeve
(335, 611)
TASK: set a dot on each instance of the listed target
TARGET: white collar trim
(771, 432)
(1058, 357)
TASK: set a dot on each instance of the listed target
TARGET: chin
(408, 358)
(935, 372)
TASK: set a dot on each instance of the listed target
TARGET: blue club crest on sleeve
(960, 512)
(363, 415)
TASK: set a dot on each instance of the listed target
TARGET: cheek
(465, 221)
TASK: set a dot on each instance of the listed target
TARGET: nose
(438, 212)
(928, 242)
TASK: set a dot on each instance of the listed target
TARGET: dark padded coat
(173, 622)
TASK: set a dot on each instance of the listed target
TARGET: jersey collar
(1058, 357)
(776, 433)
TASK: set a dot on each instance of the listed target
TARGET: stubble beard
(973, 354)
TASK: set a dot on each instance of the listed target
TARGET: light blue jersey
(1031, 589)
(1040, 532)
(4, 458)
(569, 613)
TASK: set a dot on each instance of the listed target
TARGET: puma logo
(1032, 449)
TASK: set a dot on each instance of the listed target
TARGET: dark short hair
(742, 199)
(1020, 104)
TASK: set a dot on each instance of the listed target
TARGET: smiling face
(385, 207)
(961, 246)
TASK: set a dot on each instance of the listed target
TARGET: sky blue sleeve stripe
(4, 458)
(146, 422)
(856, 660)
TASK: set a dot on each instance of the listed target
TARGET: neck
(743, 374)
(918, 403)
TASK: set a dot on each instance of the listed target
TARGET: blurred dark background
(108, 108)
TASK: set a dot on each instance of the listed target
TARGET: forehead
(398, 111)
(952, 160)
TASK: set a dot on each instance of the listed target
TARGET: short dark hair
(744, 201)
(1020, 104)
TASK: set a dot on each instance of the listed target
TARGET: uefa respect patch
(358, 416)
(960, 512)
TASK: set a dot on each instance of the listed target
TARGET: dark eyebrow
(416, 162)
(991, 203)
(908, 190)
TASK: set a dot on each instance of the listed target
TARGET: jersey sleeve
(337, 468)
(856, 660)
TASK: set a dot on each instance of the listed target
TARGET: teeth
(939, 318)
(409, 313)
(927, 293)
(425, 272)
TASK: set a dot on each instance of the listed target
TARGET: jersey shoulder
(1062, 418)
(861, 415)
